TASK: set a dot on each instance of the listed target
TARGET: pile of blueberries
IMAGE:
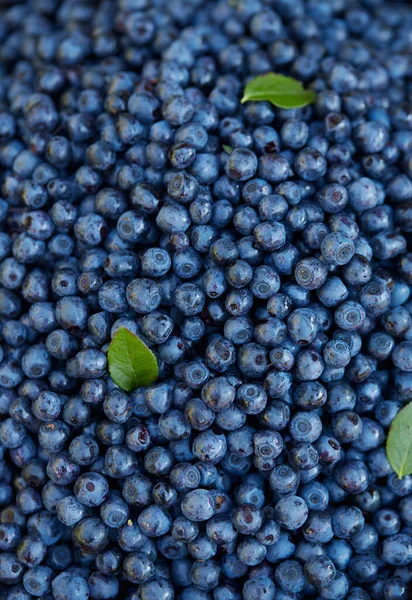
(261, 253)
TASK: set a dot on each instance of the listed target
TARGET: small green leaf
(131, 363)
(399, 443)
(227, 149)
(282, 91)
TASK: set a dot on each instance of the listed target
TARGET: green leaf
(399, 442)
(282, 91)
(131, 363)
(227, 149)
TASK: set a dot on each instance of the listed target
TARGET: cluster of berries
(260, 253)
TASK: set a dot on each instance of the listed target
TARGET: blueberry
(259, 587)
(310, 273)
(337, 589)
(100, 584)
(138, 567)
(100, 155)
(66, 585)
(156, 588)
(143, 295)
(269, 235)
(291, 512)
(347, 426)
(154, 521)
(91, 489)
(396, 549)
(119, 461)
(12, 434)
(250, 551)
(11, 568)
(31, 551)
(38, 580)
(289, 576)
(70, 511)
(395, 588)
(197, 505)
(350, 315)
(91, 535)
(209, 446)
(305, 427)
(347, 521)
